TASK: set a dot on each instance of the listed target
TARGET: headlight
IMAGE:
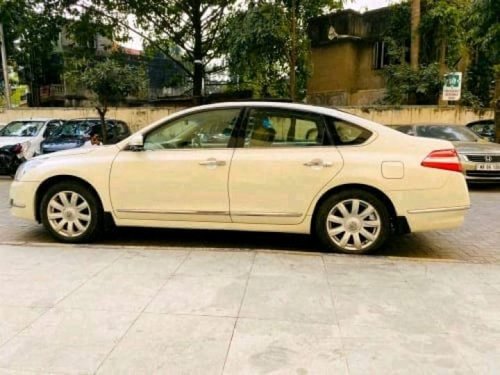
(26, 167)
(25, 151)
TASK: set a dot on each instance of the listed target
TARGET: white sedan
(29, 133)
(256, 166)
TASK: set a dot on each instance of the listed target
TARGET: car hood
(477, 147)
(8, 141)
(71, 152)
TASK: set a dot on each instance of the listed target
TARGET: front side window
(22, 129)
(273, 128)
(209, 129)
(347, 134)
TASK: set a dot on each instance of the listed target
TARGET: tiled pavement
(111, 310)
(477, 241)
(200, 302)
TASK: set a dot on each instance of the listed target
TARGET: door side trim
(178, 212)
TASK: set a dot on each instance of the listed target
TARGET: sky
(367, 4)
(360, 5)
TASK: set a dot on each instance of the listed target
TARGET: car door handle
(318, 163)
(212, 162)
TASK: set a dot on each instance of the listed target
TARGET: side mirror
(136, 143)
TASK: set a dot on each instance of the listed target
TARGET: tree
(192, 25)
(110, 81)
(30, 35)
(441, 46)
(256, 48)
(272, 35)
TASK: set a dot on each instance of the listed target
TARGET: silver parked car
(480, 159)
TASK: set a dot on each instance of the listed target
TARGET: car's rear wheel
(71, 213)
(352, 222)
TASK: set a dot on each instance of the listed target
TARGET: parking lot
(478, 240)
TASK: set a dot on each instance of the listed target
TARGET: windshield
(22, 129)
(73, 129)
(449, 133)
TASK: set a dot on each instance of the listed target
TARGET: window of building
(380, 55)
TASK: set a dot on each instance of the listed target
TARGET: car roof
(91, 119)
(485, 121)
(44, 119)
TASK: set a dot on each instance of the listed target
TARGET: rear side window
(347, 134)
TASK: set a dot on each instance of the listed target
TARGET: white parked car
(254, 166)
(29, 133)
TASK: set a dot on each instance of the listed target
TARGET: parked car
(74, 133)
(480, 159)
(483, 128)
(283, 168)
(10, 159)
(29, 133)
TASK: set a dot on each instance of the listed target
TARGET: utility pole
(4, 68)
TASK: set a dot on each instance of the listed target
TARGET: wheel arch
(370, 189)
(45, 185)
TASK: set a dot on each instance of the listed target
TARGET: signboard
(452, 89)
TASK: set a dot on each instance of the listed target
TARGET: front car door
(285, 161)
(182, 174)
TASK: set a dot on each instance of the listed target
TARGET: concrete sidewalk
(114, 310)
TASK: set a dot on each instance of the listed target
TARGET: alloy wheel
(69, 214)
(353, 224)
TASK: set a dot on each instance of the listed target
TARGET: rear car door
(285, 160)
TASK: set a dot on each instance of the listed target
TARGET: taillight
(17, 149)
(443, 159)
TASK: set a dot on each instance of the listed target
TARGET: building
(348, 53)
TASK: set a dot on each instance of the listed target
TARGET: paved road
(105, 310)
(477, 241)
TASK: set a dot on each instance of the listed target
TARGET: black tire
(94, 226)
(321, 225)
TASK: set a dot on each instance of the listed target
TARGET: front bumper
(22, 199)
(472, 174)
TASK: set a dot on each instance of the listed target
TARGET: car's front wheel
(352, 222)
(71, 213)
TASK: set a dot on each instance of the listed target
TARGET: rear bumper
(22, 199)
(436, 218)
(434, 209)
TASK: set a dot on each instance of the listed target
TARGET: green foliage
(405, 85)
(449, 26)
(484, 43)
(442, 24)
(256, 43)
(259, 46)
(30, 37)
(108, 79)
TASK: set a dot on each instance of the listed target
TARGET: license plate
(488, 167)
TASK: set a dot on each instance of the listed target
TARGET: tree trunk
(102, 115)
(415, 34)
(442, 57)
(197, 52)
(496, 102)
(293, 53)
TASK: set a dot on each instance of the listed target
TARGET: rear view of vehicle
(479, 158)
